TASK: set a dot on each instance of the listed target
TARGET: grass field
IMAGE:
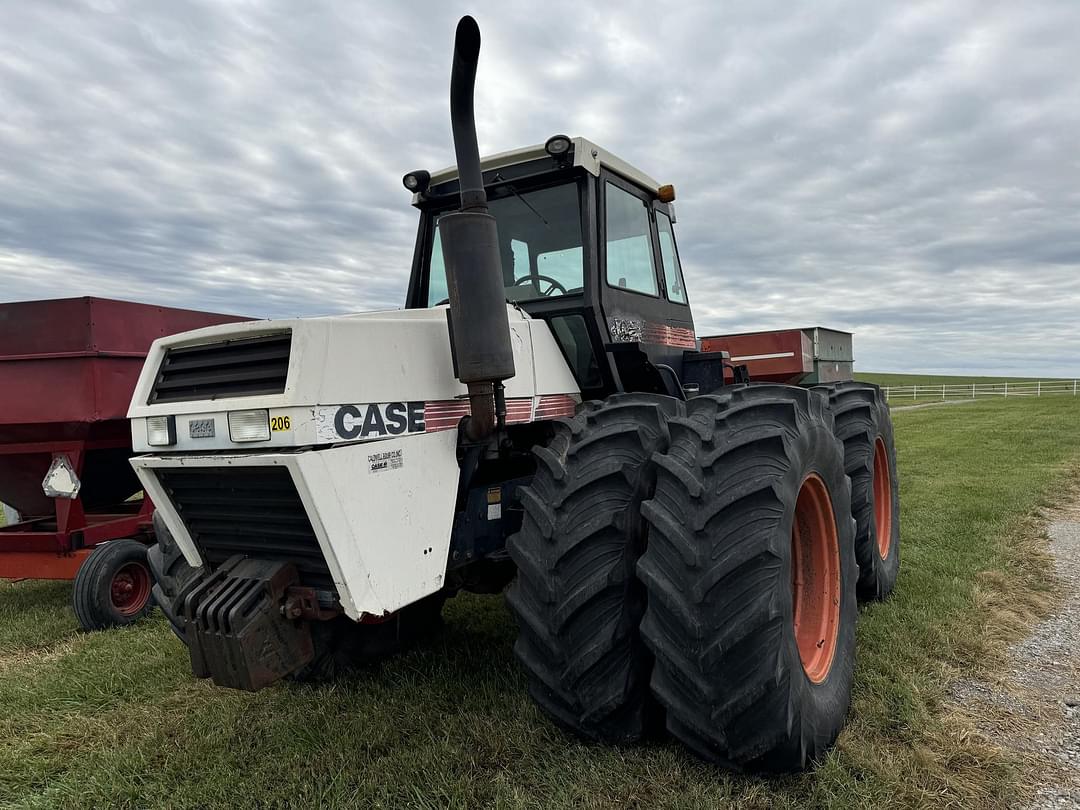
(884, 379)
(957, 387)
(115, 719)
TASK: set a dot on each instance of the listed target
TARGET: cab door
(641, 300)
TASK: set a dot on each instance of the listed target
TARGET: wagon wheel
(112, 587)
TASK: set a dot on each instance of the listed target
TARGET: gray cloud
(907, 171)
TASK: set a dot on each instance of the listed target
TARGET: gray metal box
(833, 354)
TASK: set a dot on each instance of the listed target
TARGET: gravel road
(1039, 695)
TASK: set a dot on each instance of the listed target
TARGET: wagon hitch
(245, 623)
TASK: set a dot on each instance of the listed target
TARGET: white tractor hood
(341, 366)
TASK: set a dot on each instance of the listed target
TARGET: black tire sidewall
(170, 571)
(885, 569)
(862, 418)
(824, 706)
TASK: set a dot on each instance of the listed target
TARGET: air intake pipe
(479, 330)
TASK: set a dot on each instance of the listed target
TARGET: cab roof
(585, 154)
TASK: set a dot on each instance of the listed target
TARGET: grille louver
(235, 368)
(254, 511)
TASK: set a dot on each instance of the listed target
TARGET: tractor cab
(587, 244)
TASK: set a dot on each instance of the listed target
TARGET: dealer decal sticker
(390, 460)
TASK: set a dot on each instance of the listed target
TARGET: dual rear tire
(692, 565)
(864, 426)
(750, 570)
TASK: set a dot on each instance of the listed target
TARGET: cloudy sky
(909, 171)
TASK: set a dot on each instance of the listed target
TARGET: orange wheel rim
(882, 498)
(815, 578)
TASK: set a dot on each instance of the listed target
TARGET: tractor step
(235, 627)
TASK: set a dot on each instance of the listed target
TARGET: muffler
(479, 329)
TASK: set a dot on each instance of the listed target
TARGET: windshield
(540, 243)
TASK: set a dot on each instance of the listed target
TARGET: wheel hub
(130, 588)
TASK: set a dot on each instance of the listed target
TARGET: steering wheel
(536, 278)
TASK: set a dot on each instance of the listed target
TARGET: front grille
(234, 368)
(254, 511)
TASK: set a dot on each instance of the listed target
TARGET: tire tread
(715, 572)
(576, 597)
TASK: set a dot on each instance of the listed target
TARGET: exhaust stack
(479, 330)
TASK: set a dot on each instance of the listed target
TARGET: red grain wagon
(67, 371)
(793, 356)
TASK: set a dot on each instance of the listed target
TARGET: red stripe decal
(676, 336)
(551, 406)
(447, 413)
(444, 414)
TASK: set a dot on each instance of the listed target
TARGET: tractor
(681, 548)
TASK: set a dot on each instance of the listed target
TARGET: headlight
(249, 426)
(417, 182)
(160, 431)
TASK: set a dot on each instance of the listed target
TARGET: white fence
(1044, 388)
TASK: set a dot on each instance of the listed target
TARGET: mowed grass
(115, 719)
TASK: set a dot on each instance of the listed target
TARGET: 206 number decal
(280, 423)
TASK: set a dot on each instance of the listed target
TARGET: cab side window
(673, 278)
(629, 248)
